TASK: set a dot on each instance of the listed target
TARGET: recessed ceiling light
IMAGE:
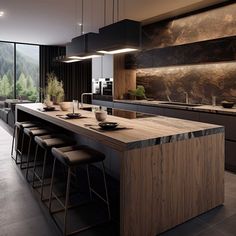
(1, 13)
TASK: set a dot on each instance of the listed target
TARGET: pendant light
(79, 48)
(119, 37)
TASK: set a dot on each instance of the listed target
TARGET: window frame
(14, 62)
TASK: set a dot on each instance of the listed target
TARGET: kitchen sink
(181, 104)
(86, 108)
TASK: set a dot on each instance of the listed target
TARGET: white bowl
(65, 106)
(101, 115)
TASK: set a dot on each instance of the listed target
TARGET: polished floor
(22, 214)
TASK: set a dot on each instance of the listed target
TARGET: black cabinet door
(182, 114)
(125, 106)
(230, 155)
(151, 110)
(229, 122)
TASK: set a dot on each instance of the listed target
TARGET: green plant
(54, 88)
(139, 92)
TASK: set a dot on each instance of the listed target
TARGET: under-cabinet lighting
(117, 51)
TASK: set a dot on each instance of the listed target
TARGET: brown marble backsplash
(201, 82)
(207, 25)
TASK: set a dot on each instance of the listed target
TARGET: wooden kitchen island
(171, 170)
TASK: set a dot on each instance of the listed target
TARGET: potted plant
(138, 93)
(54, 90)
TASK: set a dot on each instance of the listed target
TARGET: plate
(73, 115)
(49, 108)
(108, 125)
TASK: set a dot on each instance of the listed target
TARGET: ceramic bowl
(65, 106)
(101, 115)
(227, 104)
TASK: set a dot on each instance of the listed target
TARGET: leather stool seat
(49, 141)
(34, 131)
(25, 124)
(76, 155)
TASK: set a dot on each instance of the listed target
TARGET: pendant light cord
(105, 10)
(118, 10)
(113, 11)
(82, 17)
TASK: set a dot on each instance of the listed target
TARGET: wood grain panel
(124, 80)
(165, 185)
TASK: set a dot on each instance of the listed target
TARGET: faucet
(186, 98)
(82, 97)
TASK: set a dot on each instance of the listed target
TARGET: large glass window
(23, 60)
(6, 70)
(27, 71)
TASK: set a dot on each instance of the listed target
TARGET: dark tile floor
(22, 214)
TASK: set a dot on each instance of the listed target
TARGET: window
(23, 59)
(27, 72)
(6, 70)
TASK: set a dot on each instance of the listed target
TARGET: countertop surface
(202, 108)
(141, 132)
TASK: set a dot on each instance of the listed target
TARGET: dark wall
(76, 76)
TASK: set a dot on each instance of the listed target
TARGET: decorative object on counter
(73, 115)
(47, 101)
(54, 88)
(65, 106)
(108, 125)
(100, 115)
(227, 104)
(139, 92)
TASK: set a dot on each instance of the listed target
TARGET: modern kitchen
(118, 118)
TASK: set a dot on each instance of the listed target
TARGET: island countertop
(141, 132)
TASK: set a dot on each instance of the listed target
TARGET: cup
(101, 115)
(214, 101)
(75, 105)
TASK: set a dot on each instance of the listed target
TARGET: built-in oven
(102, 89)
(107, 86)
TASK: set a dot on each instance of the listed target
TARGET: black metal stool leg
(13, 139)
(43, 172)
(51, 187)
(89, 183)
(34, 165)
(28, 154)
(28, 157)
(21, 151)
(67, 200)
(105, 184)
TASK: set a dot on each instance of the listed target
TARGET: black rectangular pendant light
(80, 48)
(122, 36)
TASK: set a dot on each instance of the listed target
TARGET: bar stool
(17, 134)
(46, 142)
(72, 157)
(31, 133)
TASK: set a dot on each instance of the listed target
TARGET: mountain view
(27, 71)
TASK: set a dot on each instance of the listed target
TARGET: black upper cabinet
(210, 51)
